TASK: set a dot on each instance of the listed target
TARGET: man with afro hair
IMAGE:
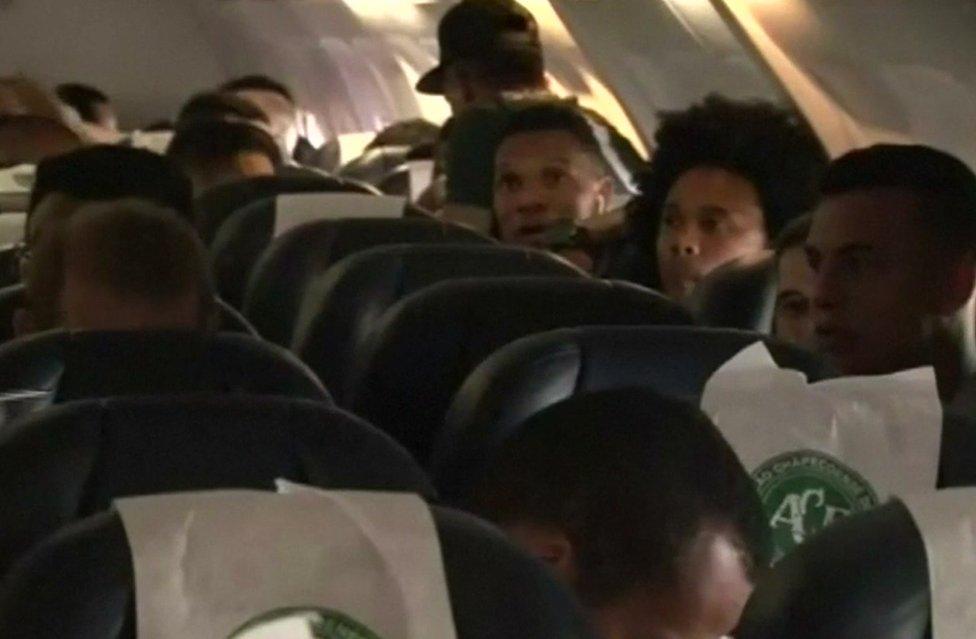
(726, 177)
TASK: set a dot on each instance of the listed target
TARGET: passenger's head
(123, 265)
(412, 133)
(639, 504)
(892, 248)
(28, 139)
(214, 152)
(725, 179)
(275, 100)
(221, 106)
(102, 173)
(793, 313)
(90, 104)
(487, 47)
(549, 173)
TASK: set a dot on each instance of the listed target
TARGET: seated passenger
(793, 313)
(550, 177)
(28, 139)
(221, 106)
(725, 179)
(638, 504)
(214, 152)
(90, 104)
(892, 245)
(123, 265)
(278, 104)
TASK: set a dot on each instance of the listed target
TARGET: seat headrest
(425, 346)
(248, 231)
(345, 304)
(92, 364)
(741, 294)
(85, 574)
(532, 373)
(280, 277)
(864, 576)
(374, 164)
(217, 204)
(72, 460)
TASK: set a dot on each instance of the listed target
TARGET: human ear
(959, 286)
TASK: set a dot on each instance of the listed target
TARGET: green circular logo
(805, 491)
(313, 623)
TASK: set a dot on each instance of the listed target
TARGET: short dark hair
(206, 142)
(106, 172)
(631, 478)
(943, 183)
(132, 247)
(555, 116)
(83, 99)
(219, 106)
(258, 82)
(769, 146)
(793, 235)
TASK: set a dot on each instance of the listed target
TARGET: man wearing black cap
(492, 64)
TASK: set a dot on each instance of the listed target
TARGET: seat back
(248, 231)
(374, 164)
(72, 460)
(408, 371)
(344, 305)
(740, 295)
(85, 574)
(533, 373)
(864, 576)
(95, 364)
(280, 278)
(13, 298)
(219, 203)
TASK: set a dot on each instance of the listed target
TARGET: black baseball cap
(483, 30)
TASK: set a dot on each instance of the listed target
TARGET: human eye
(553, 176)
(508, 182)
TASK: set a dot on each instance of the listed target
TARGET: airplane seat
(217, 204)
(92, 364)
(72, 460)
(9, 265)
(247, 232)
(409, 369)
(375, 164)
(532, 373)
(741, 294)
(13, 298)
(279, 279)
(864, 576)
(342, 306)
(80, 582)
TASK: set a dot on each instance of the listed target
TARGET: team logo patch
(315, 624)
(805, 491)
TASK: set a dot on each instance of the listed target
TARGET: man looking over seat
(638, 504)
(123, 265)
(793, 312)
(725, 178)
(550, 176)
(214, 152)
(892, 246)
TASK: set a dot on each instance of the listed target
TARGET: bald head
(123, 265)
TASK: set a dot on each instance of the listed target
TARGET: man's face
(876, 280)
(545, 181)
(282, 114)
(793, 320)
(710, 216)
